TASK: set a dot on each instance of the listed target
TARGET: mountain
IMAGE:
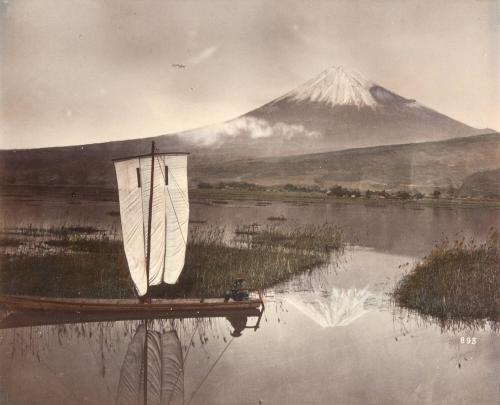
(338, 109)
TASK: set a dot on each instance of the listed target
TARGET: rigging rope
(209, 371)
(180, 190)
(177, 218)
(184, 198)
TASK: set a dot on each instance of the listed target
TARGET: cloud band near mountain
(251, 127)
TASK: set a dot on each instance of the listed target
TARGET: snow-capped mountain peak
(336, 86)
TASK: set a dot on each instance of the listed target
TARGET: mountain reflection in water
(334, 307)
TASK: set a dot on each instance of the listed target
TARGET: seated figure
(238, 292)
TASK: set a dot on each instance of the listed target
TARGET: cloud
(202, 56)
(254, 128)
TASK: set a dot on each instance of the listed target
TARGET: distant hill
(482, 184)
(422, 166)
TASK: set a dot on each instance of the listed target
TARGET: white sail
(169, 218)
(165, 373)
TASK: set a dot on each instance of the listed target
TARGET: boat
(154, 213)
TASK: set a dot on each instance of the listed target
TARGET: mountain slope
(422, 166)
(484, 183)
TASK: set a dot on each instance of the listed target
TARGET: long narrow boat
(80, 305)
(154, 213)
(28, 313)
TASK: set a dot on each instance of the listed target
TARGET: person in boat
(238, 292)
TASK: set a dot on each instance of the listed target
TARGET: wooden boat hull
(156, 306)
(24, 318)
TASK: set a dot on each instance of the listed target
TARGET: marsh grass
(457, 281)
(317, 239)
(277, 218)
(9, 242)
(94, 265)
(78, 244)
(248, 230)
(197, 221)
(263, 257)
(62, 231)
(64, 261)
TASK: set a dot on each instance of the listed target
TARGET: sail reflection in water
(156, 358)
(114, 361)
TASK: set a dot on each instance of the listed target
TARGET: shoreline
(105, 194)
(311, 198)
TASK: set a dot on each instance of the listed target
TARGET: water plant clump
(64, 263)
(277, 218)
(83, 265)
(318, 239)
(458, 280)
(9, 242)
(264, 257)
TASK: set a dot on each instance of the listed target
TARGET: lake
(328, 336)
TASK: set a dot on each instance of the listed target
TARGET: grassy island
(85, 262)
(457, 281)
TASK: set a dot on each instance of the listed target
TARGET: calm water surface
(329, 336)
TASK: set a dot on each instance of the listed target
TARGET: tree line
(334, 191)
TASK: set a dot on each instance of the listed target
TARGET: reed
(458, 280)
(5, 241)
(263, 257)
(277, 218)
(93, 264)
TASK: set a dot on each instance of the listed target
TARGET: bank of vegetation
(457, 281)
(63, 263)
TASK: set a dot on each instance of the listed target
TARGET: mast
(150, 214)
(145, 373)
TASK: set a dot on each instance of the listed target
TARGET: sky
(86, 71)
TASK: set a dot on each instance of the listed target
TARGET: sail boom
(149, 154)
